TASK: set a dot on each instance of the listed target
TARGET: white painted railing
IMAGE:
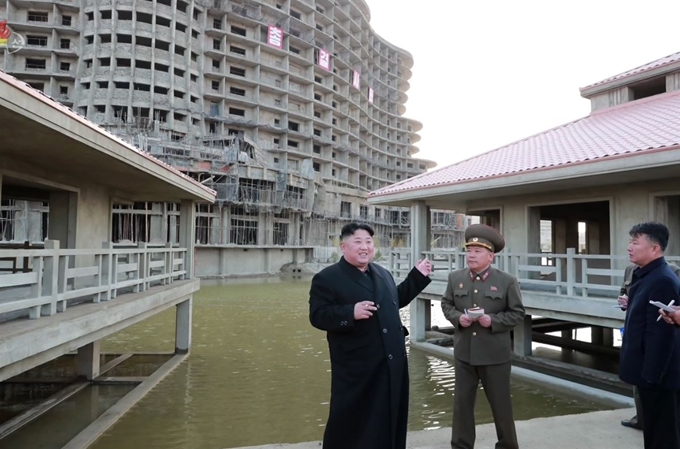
(58, 275)
(564, 274)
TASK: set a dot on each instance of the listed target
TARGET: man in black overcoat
(357, 303)
(650, 352)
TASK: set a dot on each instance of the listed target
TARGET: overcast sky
(490, 72)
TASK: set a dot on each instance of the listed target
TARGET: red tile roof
(8, 79)
(643, 125)
(675, 57)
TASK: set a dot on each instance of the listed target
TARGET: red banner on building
(356, 80)
(275, 37)
(324, 59)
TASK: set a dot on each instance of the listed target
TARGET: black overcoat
(369, 371)
(650, 352)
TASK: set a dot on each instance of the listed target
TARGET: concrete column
(522, 337)
(560, 233)
(265, 229)
(0, 186)
(568, 334)
(534, 239)
(156, 223)
(572, 233)
(226, 224)
(602, 336)
(420, 241)
(187, 233)
(63, 218)
(673, 224)
(597, 335)
(88, 360)
(593, 237)
(183, 326)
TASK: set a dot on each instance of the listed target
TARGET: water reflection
(60, 424)
(259, 373)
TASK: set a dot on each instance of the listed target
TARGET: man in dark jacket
(637, 421)
(357, 303)
(650, 352)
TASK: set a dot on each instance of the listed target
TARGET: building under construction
(291, 110)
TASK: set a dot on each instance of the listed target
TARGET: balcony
(42, 282)
(574, 287)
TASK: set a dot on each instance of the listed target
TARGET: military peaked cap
(484, 236)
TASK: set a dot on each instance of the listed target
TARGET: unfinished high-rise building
(292, 110)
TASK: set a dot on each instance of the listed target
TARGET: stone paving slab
(582, 431)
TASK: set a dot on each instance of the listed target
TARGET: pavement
(583, 431)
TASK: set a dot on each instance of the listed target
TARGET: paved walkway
(584, 431)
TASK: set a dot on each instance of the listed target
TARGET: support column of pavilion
(187, 239)
(420, 310)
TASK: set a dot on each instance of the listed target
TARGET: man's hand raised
(424, 266)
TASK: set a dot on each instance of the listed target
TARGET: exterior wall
(611, 98)
(173, 64)
(235, 261)
(628, 204)
(94, 217)
(92, 207)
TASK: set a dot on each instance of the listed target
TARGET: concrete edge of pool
(554, 383)
(436, 439)
(96, 428)
(581, 431)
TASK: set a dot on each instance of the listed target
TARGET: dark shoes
(632, 423)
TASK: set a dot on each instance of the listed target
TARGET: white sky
(490, 72)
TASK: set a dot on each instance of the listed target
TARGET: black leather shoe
(631, 424)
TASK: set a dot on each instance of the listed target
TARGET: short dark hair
(656, 233)
(351, 228)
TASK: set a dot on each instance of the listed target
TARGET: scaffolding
(256, 204)
(23, 221)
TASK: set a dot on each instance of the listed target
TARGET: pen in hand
(669, 304)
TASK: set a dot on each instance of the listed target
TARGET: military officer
(482, 345)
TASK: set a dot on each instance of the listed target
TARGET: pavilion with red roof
(601, 173)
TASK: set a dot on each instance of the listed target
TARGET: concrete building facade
(292, 110)
(64, 294)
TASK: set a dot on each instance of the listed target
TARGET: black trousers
(496, 382)
(638, 419)
(661, 411)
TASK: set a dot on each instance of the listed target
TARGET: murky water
(259, 373)
(60, 424)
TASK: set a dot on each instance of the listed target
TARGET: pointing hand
(424, 266)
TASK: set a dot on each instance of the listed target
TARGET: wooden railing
(569, 274)
(54, 275)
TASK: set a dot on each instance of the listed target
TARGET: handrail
(571, 274)
(54, 275)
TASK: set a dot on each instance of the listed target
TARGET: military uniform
(483, 353)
